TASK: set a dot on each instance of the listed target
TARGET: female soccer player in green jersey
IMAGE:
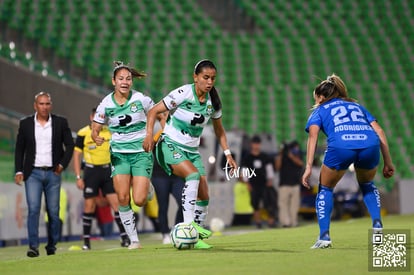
(124, 110)
(190, 108)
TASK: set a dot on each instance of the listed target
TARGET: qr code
(389, 250)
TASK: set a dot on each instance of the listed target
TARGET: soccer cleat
(86, 247)
(134, 245)
(377, 227)
(322, 244)
(151, 192)
(202, 232)
(202, 245)
(32, 252)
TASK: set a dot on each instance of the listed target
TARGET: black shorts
(265, 195)
(96, 178)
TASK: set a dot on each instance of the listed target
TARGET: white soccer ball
(184, 236)
(217, 225)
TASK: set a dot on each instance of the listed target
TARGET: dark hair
(205, 63)
(93, 110)
(134, 72)
(215, 98)
(256, 139)
(332, 87)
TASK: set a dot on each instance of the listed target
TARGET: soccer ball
(217, 225)
(184, 236)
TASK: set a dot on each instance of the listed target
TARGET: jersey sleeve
(368, 115)
(80, 139)
(100, 114)
(175, 98)
(79, 143)
(217, 114)
(314, 119)
(147, 103)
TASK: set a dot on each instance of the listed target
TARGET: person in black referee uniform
(96, 165)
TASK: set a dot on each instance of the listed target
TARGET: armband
(227, 152)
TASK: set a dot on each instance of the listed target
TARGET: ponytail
(215, 99)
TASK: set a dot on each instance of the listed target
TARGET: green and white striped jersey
(187, 117)
(126, 122)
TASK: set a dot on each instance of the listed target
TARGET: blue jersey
(346, 124)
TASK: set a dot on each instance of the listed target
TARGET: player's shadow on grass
(249, 247)
(235, 250)
(232, 248)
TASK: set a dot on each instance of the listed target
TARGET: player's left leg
(365, 169)
(324, 204)
(201, 206)
(87, 220)
(113, 202)
(108, 191)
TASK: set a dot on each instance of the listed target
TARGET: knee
(33, 207)
(123, 199)
(140, 200)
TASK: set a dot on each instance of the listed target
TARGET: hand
(148, 143)
(59, 169)
(18, 178)
(99, 140)
(388, 170)
(80, 184)
(306, 176)
(231, 163)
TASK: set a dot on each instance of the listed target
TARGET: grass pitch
(237, 251)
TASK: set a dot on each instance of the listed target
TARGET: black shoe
(125, 242)
(32, 252)
(50, 252)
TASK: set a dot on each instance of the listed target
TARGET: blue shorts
(340, 159)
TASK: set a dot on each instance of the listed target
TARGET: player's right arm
(388, 170)
(96, 129)
(77, 156)
(152, 115)
(310, 153)
(77, 159)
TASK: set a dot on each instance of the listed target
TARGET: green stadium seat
(269, 73)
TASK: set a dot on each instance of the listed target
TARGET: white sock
(200, 212)
(189, 198)
(128, 220)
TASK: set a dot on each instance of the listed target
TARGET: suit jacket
(25, 151)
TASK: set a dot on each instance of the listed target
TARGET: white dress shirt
(43, 138)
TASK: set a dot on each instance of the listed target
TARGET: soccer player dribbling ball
(190, 108)
(353, 137)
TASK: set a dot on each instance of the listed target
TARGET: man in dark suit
(44, 148)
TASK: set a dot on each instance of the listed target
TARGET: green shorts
(135, 164)
(169, 154)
